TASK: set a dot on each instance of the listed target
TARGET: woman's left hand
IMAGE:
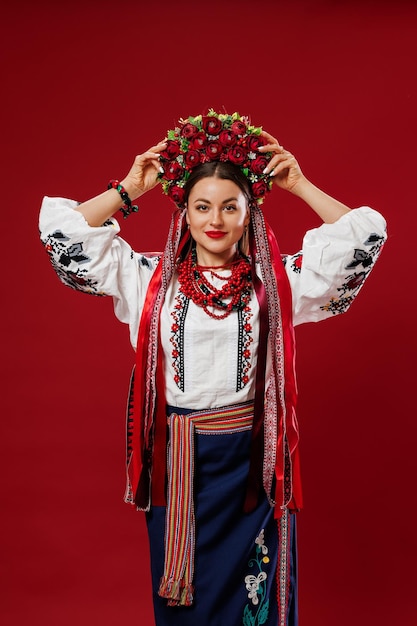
(283, 166)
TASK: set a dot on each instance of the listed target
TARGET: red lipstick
(215, 234)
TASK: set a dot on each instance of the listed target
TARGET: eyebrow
(208, 201)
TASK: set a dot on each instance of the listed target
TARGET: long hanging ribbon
(256, 453)
(148, 405)
(177, 582)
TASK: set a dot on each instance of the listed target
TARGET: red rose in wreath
(192, 158)
(259, 189)
(198, 141)
(173, 170)
(177, 194)
(171, 151)
(227, 138)
(237, 155)
(239, 128)
(214, 149)
(258, 165)
(212, 125)
(254, 142)
(188, 130)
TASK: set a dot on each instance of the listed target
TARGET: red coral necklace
(195, 285)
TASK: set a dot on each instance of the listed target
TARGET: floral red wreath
(214, 137)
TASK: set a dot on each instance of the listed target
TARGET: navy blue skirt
(235, 575)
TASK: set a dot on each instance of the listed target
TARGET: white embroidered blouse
(208, 362)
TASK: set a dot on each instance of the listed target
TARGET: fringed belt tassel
(177, 582)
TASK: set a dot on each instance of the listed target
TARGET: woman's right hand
(144, 171)
(142, 177)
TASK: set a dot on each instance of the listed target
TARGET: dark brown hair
(219, 169)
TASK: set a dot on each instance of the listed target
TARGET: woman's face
(217, 213)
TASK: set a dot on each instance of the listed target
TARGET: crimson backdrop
(87, 85)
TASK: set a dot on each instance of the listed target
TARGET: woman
(212, 321)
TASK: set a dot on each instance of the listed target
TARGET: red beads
(195, 285)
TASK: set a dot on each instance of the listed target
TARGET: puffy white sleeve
(96, 260)
(335, 260)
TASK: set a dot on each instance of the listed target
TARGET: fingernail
(265, 171)
(161, 169)
(272, 173)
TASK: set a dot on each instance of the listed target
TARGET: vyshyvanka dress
(231, 559)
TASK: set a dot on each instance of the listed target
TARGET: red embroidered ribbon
(287, 472)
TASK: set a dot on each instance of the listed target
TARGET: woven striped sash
(177, 582)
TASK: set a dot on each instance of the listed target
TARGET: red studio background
(86, 86)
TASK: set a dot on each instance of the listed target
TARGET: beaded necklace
(195, 285)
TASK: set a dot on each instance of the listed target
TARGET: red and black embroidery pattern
(296, 261)
(62, 255)
(245, 339)
(177, 338)
(244, 353)
(353, 282)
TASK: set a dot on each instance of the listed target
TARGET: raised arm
(141, 178)
(287, 174)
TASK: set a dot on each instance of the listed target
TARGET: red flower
(253, 142)
(237, 155)
(188, 130)
(176, 378)
(214, 149)
(246, 354)
(212, 125)
(171, 151)
(174, 354)
(176, 194)
(259, 164)
(259, 189)
(192, 158)
(173, 170)
(227, 138)
(239, 128)
(174, 328)
(245, 379)
(248, 328)
(198, 141)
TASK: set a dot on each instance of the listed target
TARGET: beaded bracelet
(127, 207)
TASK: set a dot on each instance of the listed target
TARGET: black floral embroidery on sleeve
(73, 253)
(353, 282)
(61, 256)
(296, 261)
(77, 279)
(360, 257)
(146, 261)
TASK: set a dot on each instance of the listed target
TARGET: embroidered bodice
(210, 362)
